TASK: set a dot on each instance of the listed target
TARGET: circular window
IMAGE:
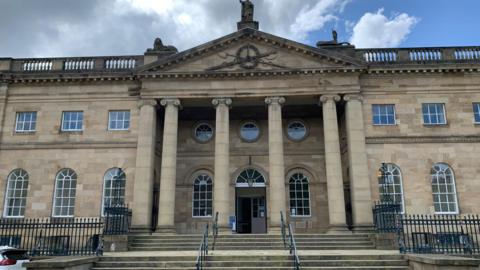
(249, 131)
(296, 130)
(203, 132)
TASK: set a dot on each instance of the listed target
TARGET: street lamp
(382, 175)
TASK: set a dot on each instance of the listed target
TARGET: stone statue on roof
(247, 16)
(158, 47)
(247, 10)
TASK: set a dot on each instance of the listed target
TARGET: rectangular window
(72, 121)
(476, 112)
(26, 122)
(118, 120)
(383, 114)
(434, 114)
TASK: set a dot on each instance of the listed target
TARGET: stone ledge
(443, 260)
(61, 262)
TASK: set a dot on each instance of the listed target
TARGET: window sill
(309, 216)
(435, 125)
(24, 133)
(78, 132)
(381, 125)
(205, 217)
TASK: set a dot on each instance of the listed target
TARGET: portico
(173, 114)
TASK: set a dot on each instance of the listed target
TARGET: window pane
(383, 114)
(65, 186)
(202, 196)
(26, 122)
(299, 195)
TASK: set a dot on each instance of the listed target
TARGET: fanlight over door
(250, 178)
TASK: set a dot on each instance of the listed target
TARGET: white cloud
(311, 19)
(375, 30)
(119, 27)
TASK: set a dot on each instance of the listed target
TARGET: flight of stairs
(158, 242)
(259, 262)
(242, 252)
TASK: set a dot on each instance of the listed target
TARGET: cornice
(422, 139)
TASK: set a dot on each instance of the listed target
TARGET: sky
(63, 28)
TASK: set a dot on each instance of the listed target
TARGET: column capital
(350, 97)
(275, 100)
(326, 98)
(170, 102)
(219, 101)
(147, 102)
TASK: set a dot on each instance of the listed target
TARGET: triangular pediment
(251, 50)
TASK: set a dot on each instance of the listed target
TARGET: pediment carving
(250, 50)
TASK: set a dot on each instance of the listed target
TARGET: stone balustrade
(108, 63)
(419, 55)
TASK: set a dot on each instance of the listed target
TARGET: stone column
(221, 198)
(143, 187)
(168, 173)
(276, 161)
(333, 162)
(357, 159)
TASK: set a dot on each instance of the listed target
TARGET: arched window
(299, 195)
(443, 189)
(113, 188)
(250, 178)
(65, 190)
(390, 185)
(16, 195)
(202, 196)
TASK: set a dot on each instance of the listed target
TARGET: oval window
(296, 130)
(203, 132)
(249, 131)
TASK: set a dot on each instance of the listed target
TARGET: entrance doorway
(251, 208)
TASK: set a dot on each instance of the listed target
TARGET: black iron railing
(451, 234)
(203, 250)
(215, 230)
(385, 216)
(431, 234)
(117, 220)
(283, 230)
(289, 241)
(54, 236)
(293, 248)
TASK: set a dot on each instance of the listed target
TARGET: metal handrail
(293, 248)
(215, 230)
(203, 250)
(283, 230)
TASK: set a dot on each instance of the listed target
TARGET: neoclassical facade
(248, 126)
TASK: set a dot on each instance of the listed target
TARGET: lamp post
(385, 196)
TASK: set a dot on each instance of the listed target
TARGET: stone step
(233, 248)
(262, 268)
(251, 263)
(234, 257)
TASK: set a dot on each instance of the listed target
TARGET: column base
(140, 229)
(338, 229)
(166, 230)
(363, 228)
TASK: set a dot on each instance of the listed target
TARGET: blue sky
(48, 28)
(441, 22)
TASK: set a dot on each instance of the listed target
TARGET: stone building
(248, 125)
